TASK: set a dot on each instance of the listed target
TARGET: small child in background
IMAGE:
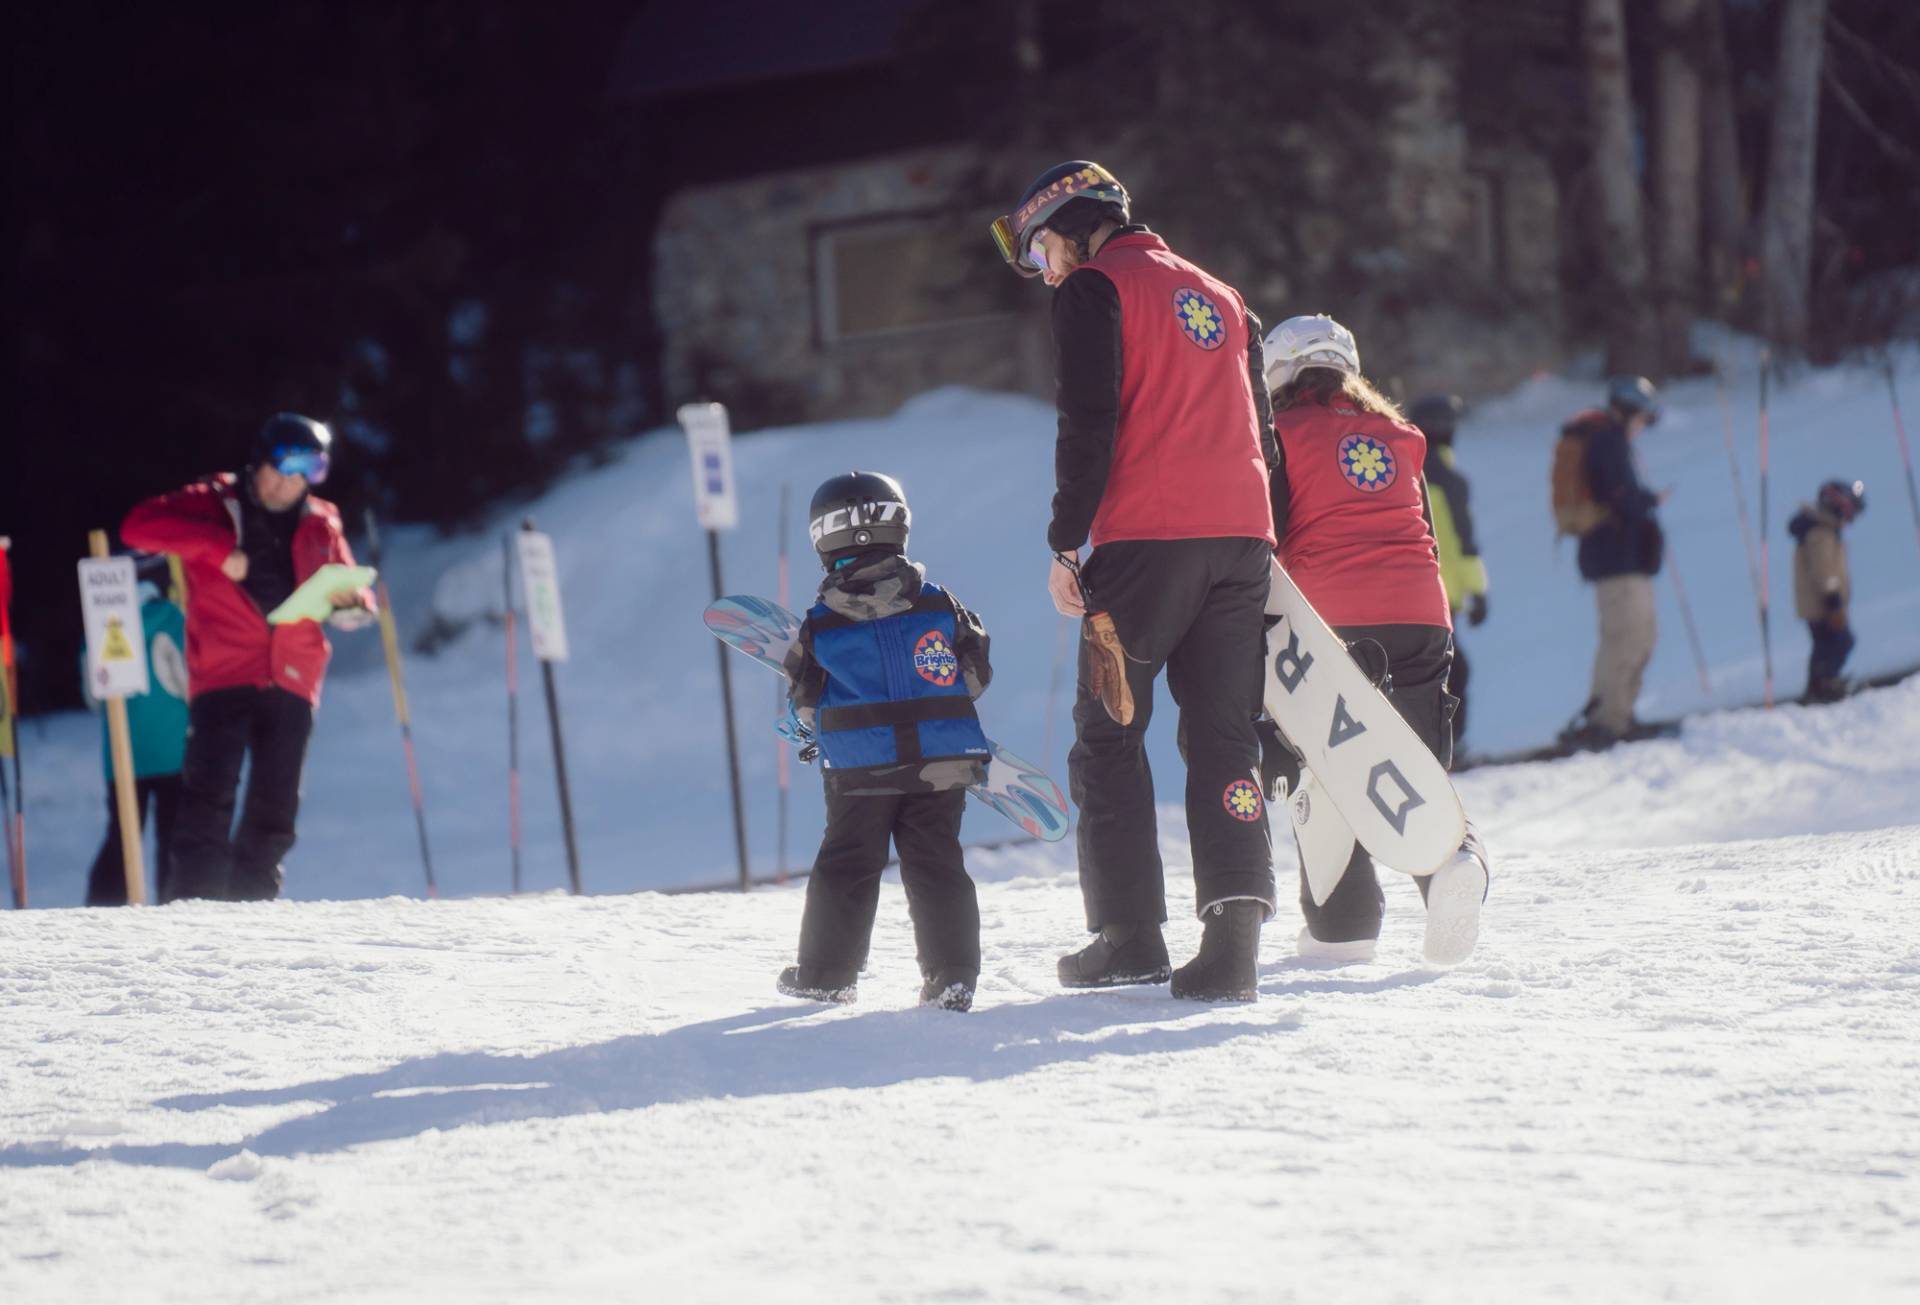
(884, 674)
(1822, 584)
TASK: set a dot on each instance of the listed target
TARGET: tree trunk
(1677, 168)
(1632, 344)
(1786, 219)
(1725, 183)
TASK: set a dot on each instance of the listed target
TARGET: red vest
(1357, 540)
(229, 642)
(1186, 453)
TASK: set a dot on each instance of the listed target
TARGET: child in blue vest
(884, 674)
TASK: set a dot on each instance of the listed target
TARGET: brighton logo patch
(933, 660)
(1367, 463)
(1199, 318)
(1242, 800)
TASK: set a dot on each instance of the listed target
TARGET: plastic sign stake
(117, 667)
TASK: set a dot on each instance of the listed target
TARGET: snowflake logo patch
(1199, 319)
(1367, 463)
(933, 659)
(1242, 800)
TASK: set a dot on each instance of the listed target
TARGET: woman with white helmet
(1351, 515)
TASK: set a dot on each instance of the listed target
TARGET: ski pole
(782, 758)
(1906, 455)
(390, 641)
(513, 711)
(1739, 491)
(1686, 619)
(1766, 570)
(16, 813)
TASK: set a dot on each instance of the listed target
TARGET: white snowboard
(1392, 792)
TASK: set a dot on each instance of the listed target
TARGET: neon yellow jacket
(1461, 570)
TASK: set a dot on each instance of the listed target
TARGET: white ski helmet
(1316, 341)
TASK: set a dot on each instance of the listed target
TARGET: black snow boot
(1123, 953)
(949, 989)
(1228, 966)
(813, 984)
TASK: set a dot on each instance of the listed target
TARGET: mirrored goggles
(1027, 260)
(301, 461)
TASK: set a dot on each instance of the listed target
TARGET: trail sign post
(116, 668)
(540, 579)
(710, 440)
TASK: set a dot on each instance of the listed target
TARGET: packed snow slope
(640, 696)
(1682, 1065)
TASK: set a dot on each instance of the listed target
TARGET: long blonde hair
(1321, 384)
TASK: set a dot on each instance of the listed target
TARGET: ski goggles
(300, 460)
(1027, 260)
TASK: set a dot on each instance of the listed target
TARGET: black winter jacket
(1629, 541)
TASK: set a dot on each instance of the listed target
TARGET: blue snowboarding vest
(894, 691)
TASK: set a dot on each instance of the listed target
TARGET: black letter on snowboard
(1345, 727)
(1288, 665)
(1408, 799)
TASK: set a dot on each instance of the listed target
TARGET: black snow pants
(1417, 659)
(1457, 686)
(1830, 650)
(843, 892)
(211, 858)
(1196, 607)
(107, 882)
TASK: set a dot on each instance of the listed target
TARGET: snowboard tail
(1370, 764)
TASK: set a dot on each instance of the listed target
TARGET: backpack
(1575, 510)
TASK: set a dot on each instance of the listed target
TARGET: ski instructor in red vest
(1162, 464)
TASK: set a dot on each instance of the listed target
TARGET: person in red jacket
(247, 542)
(1162, 464)
(1357, 537)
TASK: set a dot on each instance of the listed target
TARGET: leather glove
(1476, 609)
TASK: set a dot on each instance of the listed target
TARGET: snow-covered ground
(1683, 1065)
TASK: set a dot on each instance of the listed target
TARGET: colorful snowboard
(1392, 792)
(764, 631)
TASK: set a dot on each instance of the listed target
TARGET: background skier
(1598, 495)
(247, 541)
(1462, 571)
(1161, 462)
(1823, 583)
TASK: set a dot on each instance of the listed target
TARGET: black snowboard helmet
(1070, 199)
(292, 445)
(857, 512)
(1437, 416)
(1634, 396)
(1845, 499)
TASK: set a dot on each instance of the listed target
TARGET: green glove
(313, 601)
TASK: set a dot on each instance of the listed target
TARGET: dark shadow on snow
(769, 1052)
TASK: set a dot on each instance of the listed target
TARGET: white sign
(711, 442)
(110, 604)
(540, 578)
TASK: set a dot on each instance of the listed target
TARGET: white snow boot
(1311, 948)
(1454, 897)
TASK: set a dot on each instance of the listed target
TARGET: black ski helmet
(287, 436)
(1845, 499)
(1633, 396)
(860, 510)
(1071, 198)
(1437, 415)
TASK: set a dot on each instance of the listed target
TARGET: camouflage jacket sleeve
(971, 646)
(806, 678)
